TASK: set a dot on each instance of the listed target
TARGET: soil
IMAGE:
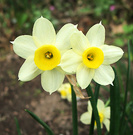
(16, 96)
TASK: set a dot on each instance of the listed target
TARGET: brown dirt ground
(16, 96)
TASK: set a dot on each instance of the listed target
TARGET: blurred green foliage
(20, 15)
(126, 35)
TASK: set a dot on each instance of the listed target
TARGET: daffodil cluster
(104, 114)
(67, 52)
(43, 53)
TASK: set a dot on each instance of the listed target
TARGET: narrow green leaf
(94, 107)
(115, 107)
(74, 113)
(48, 130)
(17, 125)
(126, 128)
(126, 91)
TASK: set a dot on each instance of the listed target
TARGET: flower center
(63, 93)
(47, 57)
(90, 57)
(93, 57)
(101, 117)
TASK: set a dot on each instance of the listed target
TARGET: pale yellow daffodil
(104, 115)
(65, 91)
(90, 58)
(43, 53)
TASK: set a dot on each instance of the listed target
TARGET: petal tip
(112, 84)
(59, 65)
(50, 93)
(100, 23)
(41, 16)
(76, 25)
(12, 42)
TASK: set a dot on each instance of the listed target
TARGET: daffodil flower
(43, 52)
(65, 91)
(104, 114)
(90, 58)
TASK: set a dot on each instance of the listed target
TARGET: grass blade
(17, 125)
(126, 91)
(49, 131)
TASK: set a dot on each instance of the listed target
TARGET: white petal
(89, 108)
(96, 35)
(85, 118)
(51, 80)
(104, 75)
(84, 75)
(70, 61)
(24, 46)
(106, 123)
(43, 32)
(79, 42)
(100, 105)
(63, 37)
(107, 112)
(29, 70)
(111, 54)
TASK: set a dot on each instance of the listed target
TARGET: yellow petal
(47, 57)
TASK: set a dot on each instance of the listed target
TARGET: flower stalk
(94, 107)
(115, 107)
(74, 112)
(93, 119)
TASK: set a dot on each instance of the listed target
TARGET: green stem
(115, 107)
(94, 107)
(93, 119)
(74, 112)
